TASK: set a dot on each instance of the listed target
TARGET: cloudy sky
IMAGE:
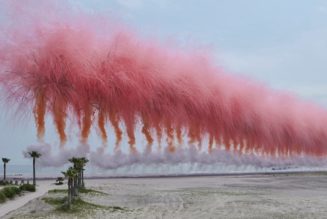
(282, 43)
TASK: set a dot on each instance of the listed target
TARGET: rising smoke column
(100, 75)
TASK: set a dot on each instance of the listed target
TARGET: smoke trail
(179, 134)
(147, 133)
(170, 136)
(131, 135)
(86, 123)
(115, 123)
(39, 114)
(59, 115)
(210, 144)
(101, 125)
(159, 133)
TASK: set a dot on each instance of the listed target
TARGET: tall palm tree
(5, 161)
(84, 161)
(34, 155)
(70, 174)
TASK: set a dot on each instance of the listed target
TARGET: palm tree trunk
(77, 180)
(80, 179)
(34, 181)
(69, 201)
(4, 171)
(71, 188)
(83, 185)
(75, 186)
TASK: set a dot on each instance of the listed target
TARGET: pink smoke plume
(99, 73)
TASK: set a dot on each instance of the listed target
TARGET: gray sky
(282, 43)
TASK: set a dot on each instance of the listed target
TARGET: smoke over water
(82, 70)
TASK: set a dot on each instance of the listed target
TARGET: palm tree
(70, 174)
(84, 162)
(77, 164)
(5, 161)
(34, 155)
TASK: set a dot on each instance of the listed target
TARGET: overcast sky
(282, 43)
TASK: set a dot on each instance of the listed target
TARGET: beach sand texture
(246, 196)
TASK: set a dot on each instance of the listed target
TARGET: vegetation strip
(82, 190)
(78, 205)
(9, 192)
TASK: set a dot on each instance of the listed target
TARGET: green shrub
(3, 183)
(60, 181)
(16, 189)
(2, 197)
(28, 187)
(11, 191)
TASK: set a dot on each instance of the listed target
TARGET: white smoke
(192, 155)
(50, 158)
(183, 161)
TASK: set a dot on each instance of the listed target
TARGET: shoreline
(197, 175)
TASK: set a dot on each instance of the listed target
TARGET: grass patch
(27, 187)
(79, 205)
(88, 191)
(54, 201)
(117, 208)
(57, 191)
(83, 191)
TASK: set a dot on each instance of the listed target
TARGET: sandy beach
(246, 196)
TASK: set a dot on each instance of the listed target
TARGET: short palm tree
(34, 155)
(78, 166)
(70, 174)
(5, 161)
